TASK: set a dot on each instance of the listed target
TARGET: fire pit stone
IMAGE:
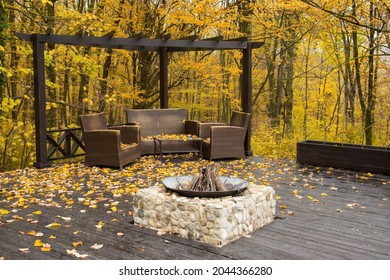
(215, 221)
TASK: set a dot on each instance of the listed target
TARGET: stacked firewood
(207, 180)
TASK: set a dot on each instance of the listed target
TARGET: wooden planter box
(347, 156)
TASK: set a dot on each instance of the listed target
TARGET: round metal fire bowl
(178, 184)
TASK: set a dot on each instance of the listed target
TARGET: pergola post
(39, 102)
(246, 96)
(163, 51)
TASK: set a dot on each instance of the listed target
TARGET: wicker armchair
(225, 140)
(113, 146)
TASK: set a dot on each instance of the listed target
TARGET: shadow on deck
(322, 213)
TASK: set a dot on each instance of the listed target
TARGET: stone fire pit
(180, 185)
(215, 221)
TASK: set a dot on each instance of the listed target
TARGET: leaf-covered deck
(81, 212)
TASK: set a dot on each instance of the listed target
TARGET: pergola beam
(135, 43)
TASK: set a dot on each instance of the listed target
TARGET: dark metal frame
(163, 46)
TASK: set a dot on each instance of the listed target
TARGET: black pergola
(162, 45)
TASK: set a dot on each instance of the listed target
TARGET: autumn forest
(322, 73)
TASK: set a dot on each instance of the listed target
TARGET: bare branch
(347, 18)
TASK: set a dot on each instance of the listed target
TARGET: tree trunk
(280, 105)
(349, 85)
(288, 58)
(368, 117)
(306, 93)
(84, 82)
(225, 99)
(52, 118)
(103, 81)
(3, 42)
(357, 63)
(148, 75)
(288, 87)
(66, 95)
(273, 101)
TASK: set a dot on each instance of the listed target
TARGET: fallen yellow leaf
(46, 248)
(78, 243)
(53, 225)
(295, 192)
(39, 212)
(31, 232)
(100, 225)
(38, 243)
(4, 212)
(113, 209)
(282, 206)
(309, 197)
(324, 194)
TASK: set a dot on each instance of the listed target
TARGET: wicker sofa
(155, 122)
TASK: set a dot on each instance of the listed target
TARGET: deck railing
(64, 143)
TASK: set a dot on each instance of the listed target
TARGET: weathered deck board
(351, 222)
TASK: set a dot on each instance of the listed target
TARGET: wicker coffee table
(160, 144)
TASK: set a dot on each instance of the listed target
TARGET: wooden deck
(322, 213)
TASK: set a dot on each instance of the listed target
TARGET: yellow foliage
(206, 83)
